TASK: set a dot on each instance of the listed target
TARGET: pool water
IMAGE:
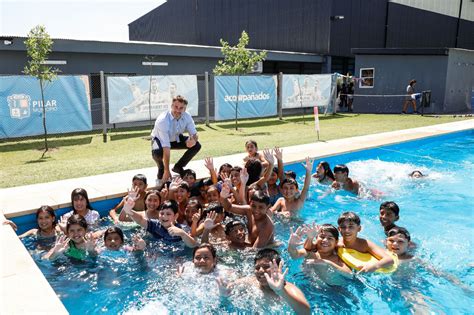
(437, 210)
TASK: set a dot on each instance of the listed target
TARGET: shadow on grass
(251, 124)
(39, 145)
(122, 136)
(40, 160)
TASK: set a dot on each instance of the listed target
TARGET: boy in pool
(349, 227)
(139, 184)
(398, 241)
(343, 181)
(165, 228)
(291, 201)
(388, 215)
(236, 234)
(270, 278)
(259, 224)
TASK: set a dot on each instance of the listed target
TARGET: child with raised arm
(349, 227)
(259, 224)
(291, 202)
(46, 220)
(323, 250)
(217, 232)
(139, 184)
(180, 192)
(114, 240)
(277, 175)
(270, 278)
(77, 243)
(165, 228)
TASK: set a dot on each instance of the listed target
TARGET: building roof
(400, 51)
(151, 48)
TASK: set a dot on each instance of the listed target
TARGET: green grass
(85, 154)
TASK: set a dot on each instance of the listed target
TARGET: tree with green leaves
(38, 46)
(238, 60)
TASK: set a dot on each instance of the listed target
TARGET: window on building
(366, 78)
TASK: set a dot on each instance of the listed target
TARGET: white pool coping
(24, 290)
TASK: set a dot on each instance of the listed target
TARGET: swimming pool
(436, 210)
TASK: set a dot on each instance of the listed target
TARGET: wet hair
(230, 226)
(140, 177)
(415, 171)
(169, 204)
(327, 170)
(211, 248)
(188, 172)
(180, 99)
(341, 168)
(214, 206)
(114, 229)
(399, 230)
(412, 82)
(330, 229)
(260, 196)
(290, 181)
(290, 174)
(76, 219)
(348, 216)
(80, 192)
(275, 170)
(49, 210)
(390, 205)
(185, 186)
(254, 168)
(153, 192)
(252, 142)
(267, 253)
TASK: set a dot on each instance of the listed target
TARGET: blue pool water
(437, 210)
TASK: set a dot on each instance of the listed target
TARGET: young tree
(238, 60)
(38, 46)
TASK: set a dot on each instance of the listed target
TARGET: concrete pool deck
(18, 268)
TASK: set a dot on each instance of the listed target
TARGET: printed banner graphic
(67, 105)
(306, 90)
(130, 97)
(256, 96)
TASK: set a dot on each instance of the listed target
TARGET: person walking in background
(409, 99)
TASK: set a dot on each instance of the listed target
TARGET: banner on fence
(306, 90)
(136, 98)
(256, 96)
(67, 105)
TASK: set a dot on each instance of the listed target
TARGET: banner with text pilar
(66, 102)
(255, 97)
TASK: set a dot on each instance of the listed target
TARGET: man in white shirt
(168, 134)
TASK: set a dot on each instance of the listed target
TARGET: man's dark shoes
(178, 170)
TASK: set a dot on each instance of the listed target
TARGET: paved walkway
(23, 287)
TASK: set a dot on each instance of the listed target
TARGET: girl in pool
(216, 212)
(76, 243)
(204, 260)
(152, 203)
(114, 241)
(80, 205)
(322, 251)
(46, 220)
(324, 174)
(252, 151)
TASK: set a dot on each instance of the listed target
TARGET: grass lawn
(86, 154)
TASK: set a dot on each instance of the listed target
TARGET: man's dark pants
(183, 161)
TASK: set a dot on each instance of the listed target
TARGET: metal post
(280, 96)
(104, 114)
(237, 102)
(206, 88)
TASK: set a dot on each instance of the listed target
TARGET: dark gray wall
(392, 75)
(459, 81)
(363, 25)
(297, 25)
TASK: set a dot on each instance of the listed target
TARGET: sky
(105, 20)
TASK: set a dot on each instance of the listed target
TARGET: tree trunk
(44, 119)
